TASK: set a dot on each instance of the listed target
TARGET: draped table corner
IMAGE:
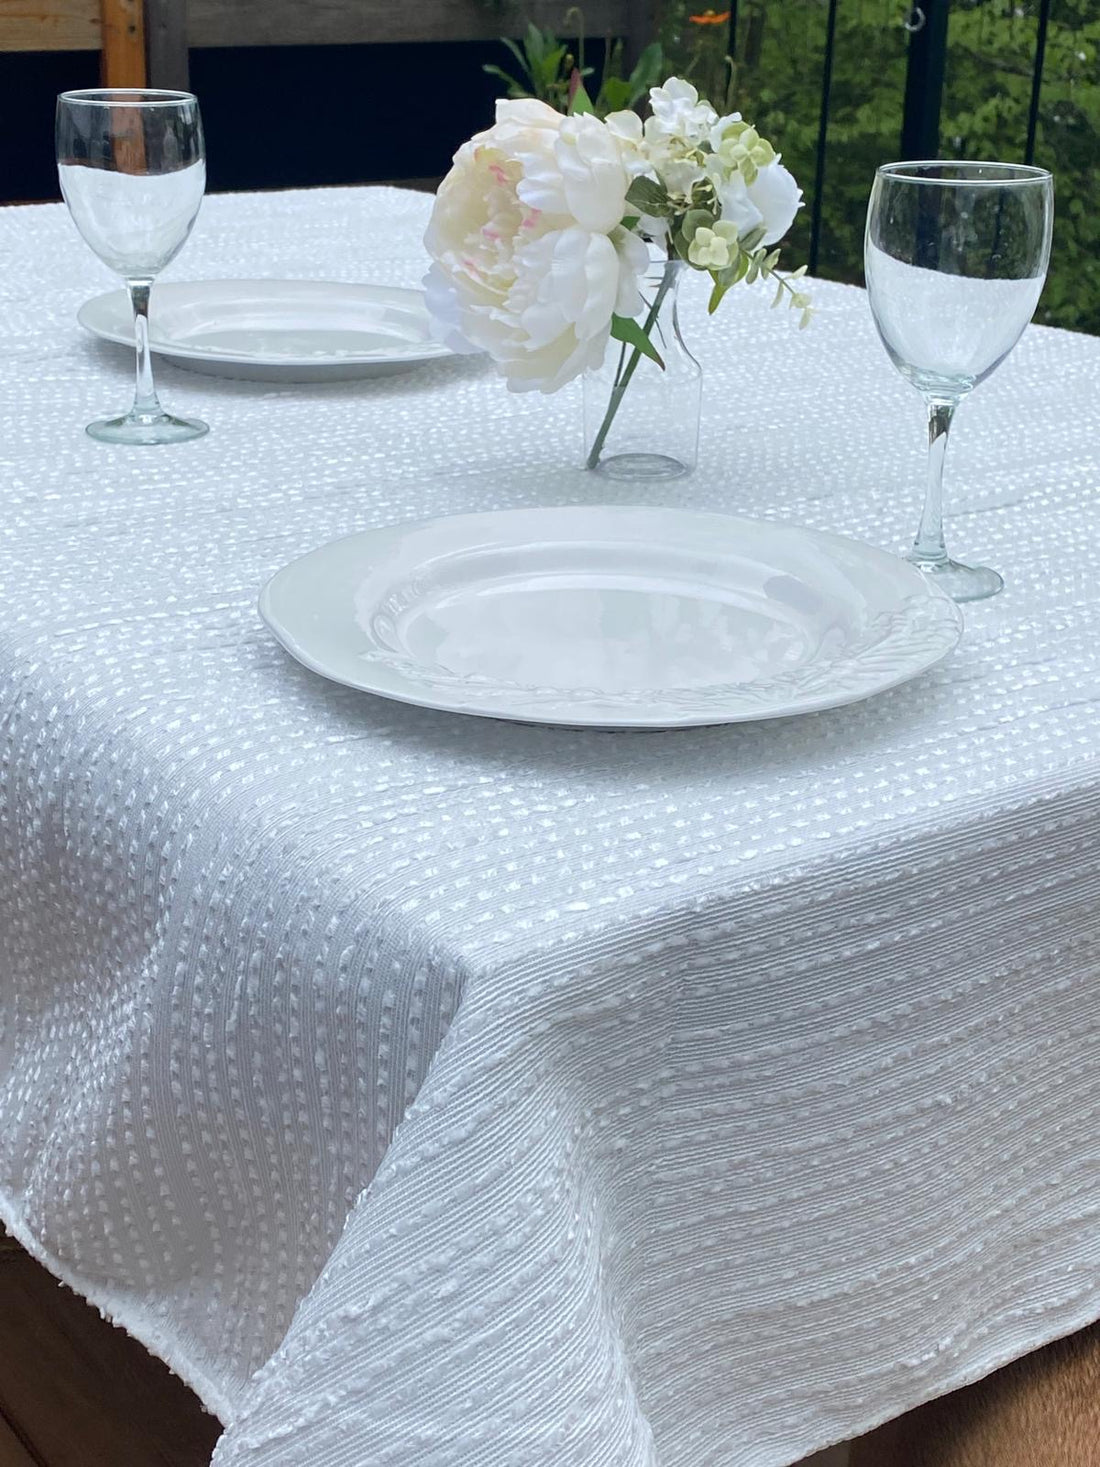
(442, 1091)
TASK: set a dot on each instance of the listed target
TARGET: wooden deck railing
(152, 39)
(115, 28)
(175, 26)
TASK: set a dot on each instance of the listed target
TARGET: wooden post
(375, 22)
(641, 28)
(123, 52)
(166, 24)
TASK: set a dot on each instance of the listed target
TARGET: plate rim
(430, 351)
(665, 721)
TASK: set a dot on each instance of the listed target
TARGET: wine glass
(956, 255)
(133, 172)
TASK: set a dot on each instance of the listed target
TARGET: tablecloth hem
(123, 1312)
(1074, 1323)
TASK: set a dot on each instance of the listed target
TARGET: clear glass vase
(641, 421)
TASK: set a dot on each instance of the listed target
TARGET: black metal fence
(842, 85)
(926, 26)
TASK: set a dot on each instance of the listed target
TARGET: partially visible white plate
(276, 330)
(610, 616)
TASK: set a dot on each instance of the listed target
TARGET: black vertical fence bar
(920, 128)
(822, 138)
(1037, 80)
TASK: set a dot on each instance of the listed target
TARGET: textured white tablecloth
(459, 1094)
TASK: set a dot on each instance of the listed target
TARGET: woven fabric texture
(452, 1093)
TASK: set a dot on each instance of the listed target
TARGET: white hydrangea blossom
(685, 143)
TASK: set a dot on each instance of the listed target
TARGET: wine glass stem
(929, 545)
(146, 402)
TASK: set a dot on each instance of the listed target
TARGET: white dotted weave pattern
(460, 1094)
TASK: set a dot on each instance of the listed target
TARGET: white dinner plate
(276, 330)
(610, 617)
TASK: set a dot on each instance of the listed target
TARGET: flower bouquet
(554, 235)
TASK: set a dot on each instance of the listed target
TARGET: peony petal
(633, 256)
(527, 112)
(778, 198)
(592, 171)
(524, 265)
(625, 125)
(737, 204)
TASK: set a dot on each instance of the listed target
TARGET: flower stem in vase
(644, 424)
(623, 375)
(708, 187)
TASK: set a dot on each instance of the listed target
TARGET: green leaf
(615, 95)
(518, 54)
(703, 196)
(516, 89)
(625, 328)
(754, 237)
(693, 221)
(650, 197)
(649, 70)
(613, 62)
(535, 42)
(551, 62)
(726, 279)
(630, 221)
(581, 102)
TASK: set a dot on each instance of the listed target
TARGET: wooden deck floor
(76, 1392)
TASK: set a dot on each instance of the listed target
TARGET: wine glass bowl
(131, 163)
(955, 257)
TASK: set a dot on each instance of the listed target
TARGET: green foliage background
(991, 49)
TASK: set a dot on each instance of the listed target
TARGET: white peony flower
(530, 261)
(772, 199)
(584, 176)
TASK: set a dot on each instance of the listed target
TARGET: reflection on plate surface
(277, 330)
(610, 617)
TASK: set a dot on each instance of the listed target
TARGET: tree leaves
(990, 58)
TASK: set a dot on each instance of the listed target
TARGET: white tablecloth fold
(444, 1092)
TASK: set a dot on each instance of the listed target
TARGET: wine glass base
(960, 582)
(642, 466)
(146, 431)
